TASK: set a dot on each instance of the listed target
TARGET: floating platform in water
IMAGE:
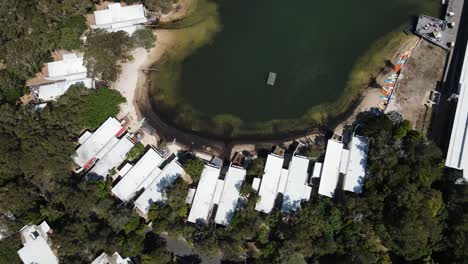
(271, 78)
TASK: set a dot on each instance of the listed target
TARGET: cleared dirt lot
(420, 76)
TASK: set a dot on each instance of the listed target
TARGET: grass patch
(100, 105)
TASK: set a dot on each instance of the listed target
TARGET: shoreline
(132, 84)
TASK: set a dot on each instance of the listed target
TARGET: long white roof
(70, 68)
(52, 91)
(230, 195)
(354, 178)
(331, 168)
(296, 185)
(140, 176)
(97, 141)
(457, 155)
(203, 200)
(269, 185)
(117, 18)
(112, 158)
(155, 191)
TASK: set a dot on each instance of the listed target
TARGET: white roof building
(63, 74)
(36, 248)
(317, 170)
(114, 259)
(457, 154)
(331, 168)
(230, 195)
(117, 17)
(356, 168)
(140, 176)
(203, 200)
(86, 153)
(270, 183)
(155, 191)
(297, 189)
(110, 158)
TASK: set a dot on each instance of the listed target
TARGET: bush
(99, 105)
(136, 152)
(194, 168)
(144, 38)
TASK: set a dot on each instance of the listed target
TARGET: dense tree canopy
(410, 211)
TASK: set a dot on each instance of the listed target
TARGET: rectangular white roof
(270, 181)
(52, 91)
(203, 200)
(354, 178)
(97, 141)
(155, 191)
(457, 154)
(144, 172)
(117, 18)
(37, 251)
(230, 195)
(67, 69)
(317, 170)
(296, 184)
(112, 158)
(331, 168)
(283, 181)
(256, 183)
(344, 161)
(190, 195)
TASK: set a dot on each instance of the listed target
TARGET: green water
(225, 56)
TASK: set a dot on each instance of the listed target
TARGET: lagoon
(313, 46)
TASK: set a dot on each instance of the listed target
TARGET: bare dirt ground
(370, 96)
(421, 75)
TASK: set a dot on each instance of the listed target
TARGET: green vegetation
(98, 106)
(194, 168)
(103, 52)
(409, 212)
(401, 215)
(70, 32)
(144, 38)
(136, 152)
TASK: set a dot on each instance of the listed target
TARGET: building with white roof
(87, 151)
(331, 168)
(357, 162)
(111, 157)
(140, 176)
(230, 195)
(317, 170)
(63, 74)
(120, 18)
(155, 191)
(114, 259)
(270, 183)
(457, 154)
(297, 189)
(203, 200)
(36, 245)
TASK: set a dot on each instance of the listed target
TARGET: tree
(405, 213)
(144, 38)
(70, 32)
(136, 152)
(103, 52)
(194, 168)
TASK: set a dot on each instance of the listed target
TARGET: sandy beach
(132, 79)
